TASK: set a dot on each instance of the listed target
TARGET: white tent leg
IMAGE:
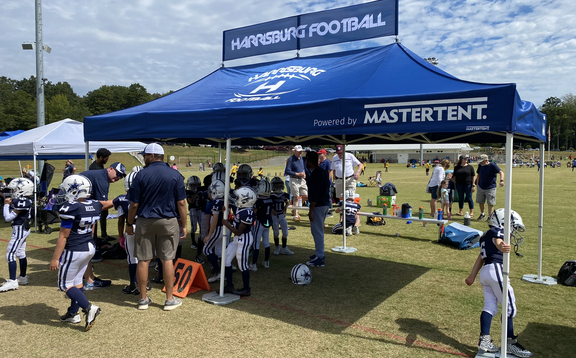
(214, 297)
(507, 232)
(544, 280)
(343, 248)
(35, 196)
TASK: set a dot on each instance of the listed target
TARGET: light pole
(39, 45)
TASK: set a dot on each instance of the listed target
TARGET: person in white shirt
(351, 176)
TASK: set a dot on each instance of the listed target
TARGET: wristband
(501, 180)
(129, 224)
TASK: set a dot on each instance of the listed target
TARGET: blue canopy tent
(370, 96)
(8, 134)
(379, 95)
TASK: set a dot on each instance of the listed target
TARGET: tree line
(18, 106)
(561, 115)
(18, 102)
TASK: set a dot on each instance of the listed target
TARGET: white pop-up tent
(58, 141)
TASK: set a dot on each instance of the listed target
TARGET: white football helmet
(263, 188)
(217, 189)
(21, 187)
(245, 197)
(74, 187)
(129, 179)
(193, 183)
(244, 174)
(498, 219)
(137, 168)
(301, 275)
(348, 194)
(277, 185)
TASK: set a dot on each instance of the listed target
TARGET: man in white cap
(158, 198)
(486, 184)
(350, 175)
(295, 169)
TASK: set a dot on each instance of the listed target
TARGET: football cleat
(71, 318)
(91, 313)
(486, 344)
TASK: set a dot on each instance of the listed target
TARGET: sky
(166, 45)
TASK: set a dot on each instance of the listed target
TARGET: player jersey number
(483, 249)
(86, 223)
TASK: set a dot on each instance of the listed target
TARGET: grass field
(395, 297)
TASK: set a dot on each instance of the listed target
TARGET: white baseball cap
(298, 148)
(153, 148)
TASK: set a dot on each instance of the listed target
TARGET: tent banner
(352, 23)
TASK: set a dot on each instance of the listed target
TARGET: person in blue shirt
(158, 197)
(295, 168)
(489, 264)
(320, 202)
(486, 184)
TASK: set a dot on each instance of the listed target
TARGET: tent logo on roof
(272, 84)
(456, 109)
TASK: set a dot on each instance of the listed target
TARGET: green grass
(395, 297)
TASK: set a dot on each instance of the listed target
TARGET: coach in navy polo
(486, 184)
(158, 197)
(101, 179)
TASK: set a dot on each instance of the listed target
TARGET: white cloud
(167, 45)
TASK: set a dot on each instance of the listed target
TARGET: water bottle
(369, 202)
(410, 212)
(299, 201)
(467, 219)
(385, 210)
(421, 213)
(440, 214)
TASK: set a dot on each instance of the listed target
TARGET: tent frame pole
(215, 297)
(544, 280)
(343, 248)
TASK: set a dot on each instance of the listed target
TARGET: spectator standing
(350, 175)
(434, 183)
(486, 183)
(100, 180)
(326, 164)
(69, 169)
(158, 197)
(464, 177)
(320, 202)
(102, 156)
(295, 168)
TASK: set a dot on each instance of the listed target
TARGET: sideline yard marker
(189, 277)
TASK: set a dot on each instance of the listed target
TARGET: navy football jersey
(216, 210)
(488, 249)
(23, 205)
(194, 199)
(246, 216)
(122, 204)
(84, 215)
(279, 202)
(351, 209)
(264, 210)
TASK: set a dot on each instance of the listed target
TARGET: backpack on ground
(566, 271)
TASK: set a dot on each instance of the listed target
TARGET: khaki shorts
(488, 195)
(298, 187)
(157, 236)
(350, 185)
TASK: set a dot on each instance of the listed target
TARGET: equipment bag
(461, 236)
(375, 220)
(565, 273)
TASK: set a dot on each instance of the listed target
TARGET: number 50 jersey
(79, 217)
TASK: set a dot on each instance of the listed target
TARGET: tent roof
(59, 140)
(378, 95)
(387, 147)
